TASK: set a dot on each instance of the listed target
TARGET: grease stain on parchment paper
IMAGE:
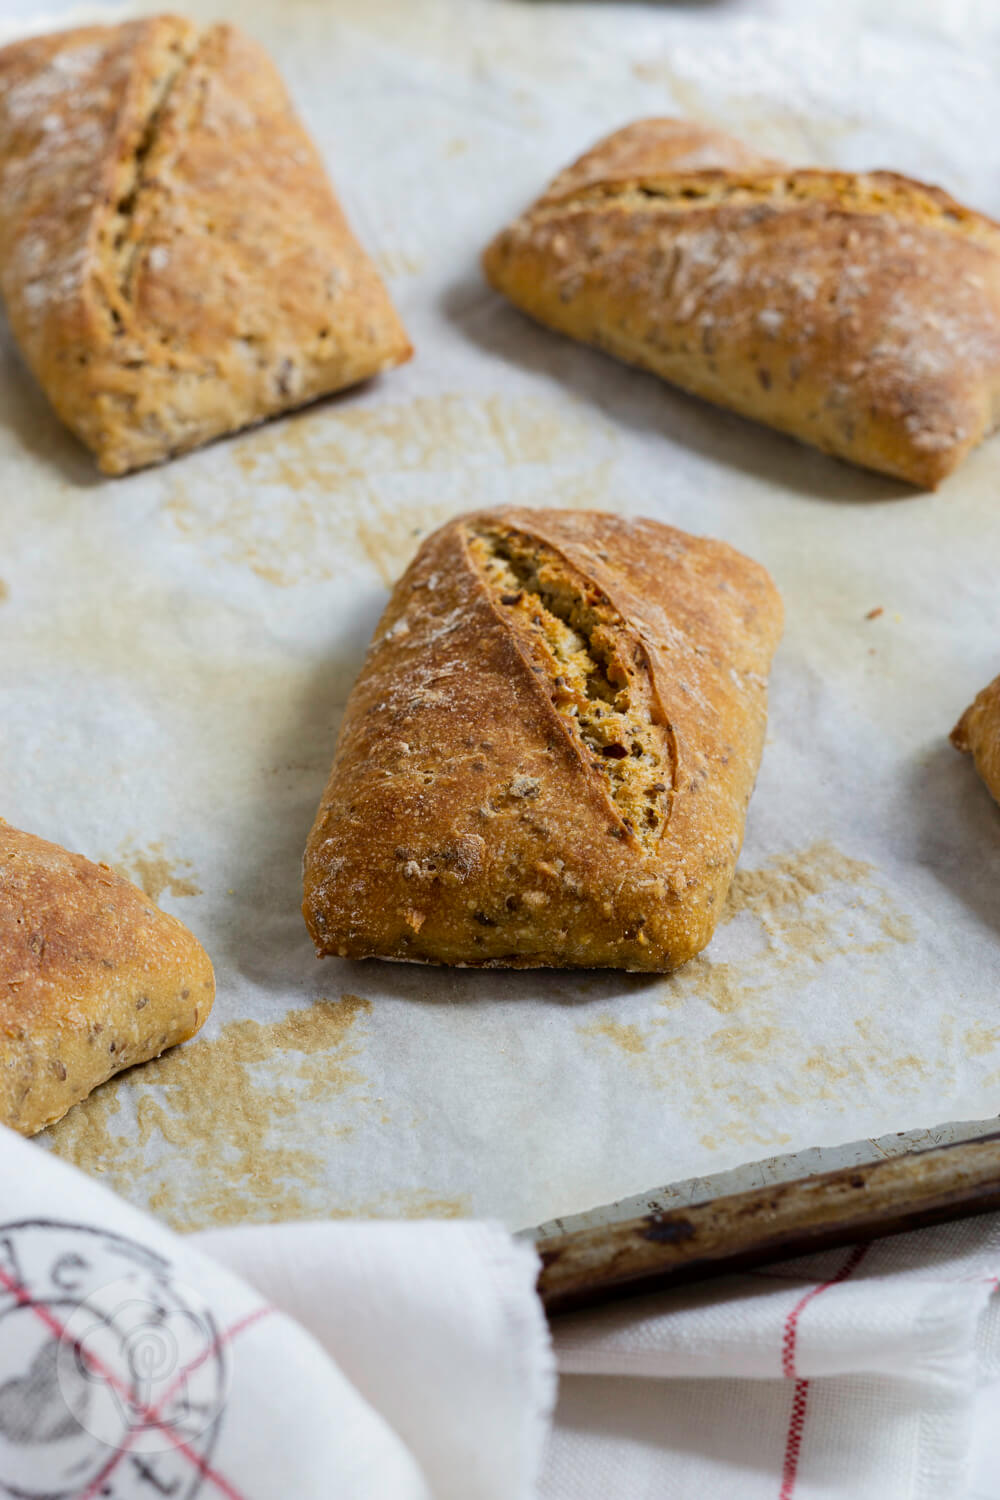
(222, 1112)
(795, 913)
(154, 871)
(980, 1040)
(743, 1044)
(819, 902)
(832, 1068)
(307, 498)
(715, 982)
(419, 1204)
(627, 1037)
(807, 907)
(736, 1133)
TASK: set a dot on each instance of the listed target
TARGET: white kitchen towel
(133, 1365)
(409, 1361)
(435, 1323)
(868, 1373)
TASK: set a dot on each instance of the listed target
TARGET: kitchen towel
(868, 1373)
(134, 1364)
(411, 1361)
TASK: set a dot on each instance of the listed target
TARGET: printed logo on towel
(113, 1378)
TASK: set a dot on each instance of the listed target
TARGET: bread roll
(173, 260)
(859, 312)
(978, 732)
(93, 978)
(547, 758)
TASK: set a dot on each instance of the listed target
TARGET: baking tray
(716, 1226)
(177, 648)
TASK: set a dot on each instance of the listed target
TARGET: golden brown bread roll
(547, 757)
(93, 978)
(173, 260)
(859, 312)
(978, 732)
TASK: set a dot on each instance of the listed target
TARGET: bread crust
(93, 978)
(173, 260)
(857, 312)
(466, 821)
(978, 734)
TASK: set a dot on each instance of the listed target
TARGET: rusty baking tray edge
(738, 1231)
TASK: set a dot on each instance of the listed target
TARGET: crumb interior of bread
(852, 193)
(596, 670)
(122, 229)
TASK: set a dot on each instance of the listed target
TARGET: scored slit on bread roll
(547, 757)
(93, 978)
(173, 260)
(857, 311)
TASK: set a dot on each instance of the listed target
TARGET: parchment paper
(176, 649)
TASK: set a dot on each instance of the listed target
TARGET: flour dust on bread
(93, 978)
(173, 260)
(859, 312)
(547, 757)
(978, 733)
